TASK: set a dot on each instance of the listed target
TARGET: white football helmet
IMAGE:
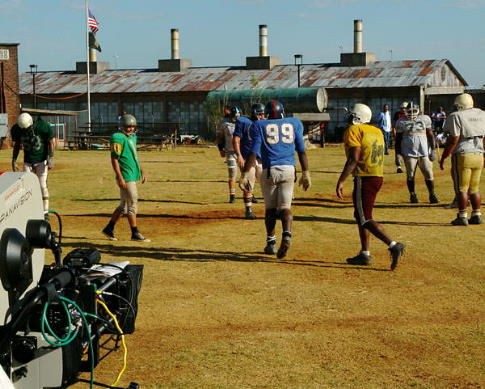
(360, 113)
(463, 101)
(25, 120)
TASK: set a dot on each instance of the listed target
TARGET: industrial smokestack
(358, 36)
(263, 40)
(174, 33)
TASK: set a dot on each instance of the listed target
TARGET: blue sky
(136, 34)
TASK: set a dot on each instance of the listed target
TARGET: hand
(244, 183)
(442, 164)
(340, 190)
(50, 162)
(240, 161)
(432, 155)
(14, 165)
(305, 180)
(121, 182)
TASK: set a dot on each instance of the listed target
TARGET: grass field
(217, 313)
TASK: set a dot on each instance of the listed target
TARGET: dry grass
(216, 313)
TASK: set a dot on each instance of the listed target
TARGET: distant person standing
(224, 136)
(242, 144)
(402, 113)
(128, 171)
(385, 124)
(277, 139)
(416, 143)
(466, 142)
(38, 143)
(438, 119)
(364, 149)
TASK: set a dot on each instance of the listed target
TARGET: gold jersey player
(364, 149)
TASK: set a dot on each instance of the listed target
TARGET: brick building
(9, 86)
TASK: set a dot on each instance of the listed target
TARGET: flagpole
(88, 66)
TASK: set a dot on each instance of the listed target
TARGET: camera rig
(57, 320)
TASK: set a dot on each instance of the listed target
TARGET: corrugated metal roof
(386, 74)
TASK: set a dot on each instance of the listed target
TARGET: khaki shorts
(277, 186)
(129, 199)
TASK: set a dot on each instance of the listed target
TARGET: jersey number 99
(275, 133)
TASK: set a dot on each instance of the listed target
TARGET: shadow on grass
(141, 250)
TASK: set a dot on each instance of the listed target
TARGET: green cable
(69, 338)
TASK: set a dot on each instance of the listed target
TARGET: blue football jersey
(243, 124)
(277, 140)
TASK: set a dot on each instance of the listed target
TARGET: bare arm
(451, 143)
(349, 167)
(236, 144)
(119, 177)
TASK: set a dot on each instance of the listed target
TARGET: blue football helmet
(256, 109)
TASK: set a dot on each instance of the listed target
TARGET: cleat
(460, 221)
(249, 214)
(399, 169)
(433, 199)
(139, 237)
(360, 259)
(284, 246)
(397, 252)
(270, 247)
(413, 198)
(109, 234)
(232, 198)
(254, 200)
(475, 219)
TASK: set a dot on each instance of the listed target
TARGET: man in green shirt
(126, 166)
(38, 143)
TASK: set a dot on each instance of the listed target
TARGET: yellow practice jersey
(371, 142)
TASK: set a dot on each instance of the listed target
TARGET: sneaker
(399, 169)
(284, 246)
(249, 214)
(460, 221)
(232, 198)
(396, 253)
(139, 237)
(270, 247)
(109, 234)
(413, 198)
(360, 259)
(433, 199)
(475, 219)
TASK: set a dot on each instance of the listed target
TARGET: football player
(364, 149)
(38, 142)
(242, 144)
(466, 144)
(276, 139)
(224, 134)
(415, 141)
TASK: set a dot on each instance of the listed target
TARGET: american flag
(92, 22)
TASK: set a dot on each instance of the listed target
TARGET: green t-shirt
(34, 140)
(123, 148)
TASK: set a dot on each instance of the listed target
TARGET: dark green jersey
(34, 140)
(123, 148)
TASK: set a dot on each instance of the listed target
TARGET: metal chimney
(358, 36)
(174, 33)
(263, 40)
